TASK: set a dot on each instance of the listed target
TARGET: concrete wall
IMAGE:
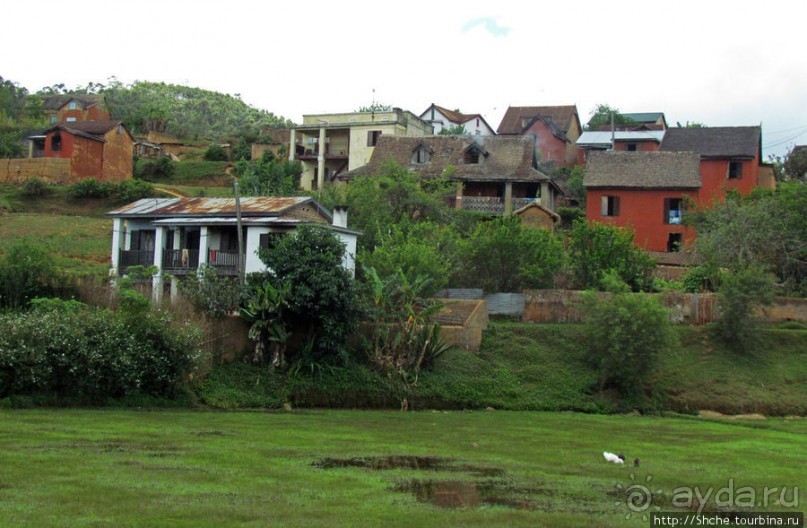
(53, 170)
(563, 306)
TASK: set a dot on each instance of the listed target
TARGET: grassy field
(78, 244)
(175, 468)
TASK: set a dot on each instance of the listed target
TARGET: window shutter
(604, 206)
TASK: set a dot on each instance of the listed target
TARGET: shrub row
(125, 191)
(92, 355)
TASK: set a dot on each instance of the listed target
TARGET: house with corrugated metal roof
(620, 140)
(443, 118)
(180, 235)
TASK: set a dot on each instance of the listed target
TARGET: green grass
(201, 173)
(75, 243)
(128, 468)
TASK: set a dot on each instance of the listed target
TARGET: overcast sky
(720, 63)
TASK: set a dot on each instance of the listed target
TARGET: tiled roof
(563, 116)
(507, 159)
(95, 128)
(643, 170)
(714, 142)
(55, 102)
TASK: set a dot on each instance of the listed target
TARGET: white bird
(614, 459)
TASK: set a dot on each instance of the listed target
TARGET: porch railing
(491, 205)
(180, 260)
(134, 257)
(225, 262)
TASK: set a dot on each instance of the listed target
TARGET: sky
(721, 63)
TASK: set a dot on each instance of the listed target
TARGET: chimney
(340, 216)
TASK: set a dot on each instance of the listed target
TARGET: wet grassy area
(369, 468)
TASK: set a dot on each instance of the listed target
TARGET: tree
(795, 164)
(602, 114)
(454, 130)
(741, 292)
(624, 335)
(504, 255)
(268, 176)
(215, 152)
(322, 300)
(596, 248)
(264, 310)
(242, 150)
(26, 272)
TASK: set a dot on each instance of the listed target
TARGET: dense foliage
(602, 115)
(503, 255)
(625, 333)
(26, 272)
(269, 176)
(91, 354)
(322, 308)
(595, 249)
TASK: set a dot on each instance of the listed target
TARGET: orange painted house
(96, 149)
(554, 129)
(647, 191)
(75, 107)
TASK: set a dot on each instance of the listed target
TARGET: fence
(52, 170)
(564, 306)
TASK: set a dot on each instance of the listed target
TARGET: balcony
(491, 205)
(180, 261)
(225, 262)
(312, 152)
(134, 257)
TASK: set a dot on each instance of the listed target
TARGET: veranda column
(117, 231)
(508, 198)
(292, 144)
(157, 280)
(321, 160)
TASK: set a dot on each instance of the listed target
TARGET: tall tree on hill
(602, 115)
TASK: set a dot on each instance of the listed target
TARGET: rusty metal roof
(213, 207)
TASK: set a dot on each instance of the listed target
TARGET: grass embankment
(541, 367)
(118, 468)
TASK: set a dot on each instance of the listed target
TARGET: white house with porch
(180, 235)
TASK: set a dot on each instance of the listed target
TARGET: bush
(91, 188)
(26, 272)
(133, 190)
(625, 333)
(215, 152)
(741, 292)
(35, 188)
(162, 167)
(94, 354)
(216, 296)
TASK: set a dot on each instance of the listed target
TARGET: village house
(554, 130)
(328, 145)
(639, 121)
(442, 118)
(95, 149)
(620, 140)
(495, 175)
(179, 235)
(648, 191)
(75, 107)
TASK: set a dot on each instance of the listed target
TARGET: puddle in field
(494, 490)
(462, 494)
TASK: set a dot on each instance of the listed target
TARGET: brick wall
(53, 170)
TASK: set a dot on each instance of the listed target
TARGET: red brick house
(555, 130)
(647, 191)
(96, 149)
(75, 107)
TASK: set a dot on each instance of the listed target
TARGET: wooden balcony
(180, 261)
(491, 205)
(134, 257)
(225, 262)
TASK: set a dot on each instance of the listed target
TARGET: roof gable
(56, 102)
(261, 206)
(563, 116)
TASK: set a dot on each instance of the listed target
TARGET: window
(269, 240)
(631, 147)
(674, 241)
(372, 137)
(56, 142)
(735, 171)
(421, 155)
(53, 119)
(673, 210)
(72, 105)
(71, 119)
(609, 206)
(472, 157)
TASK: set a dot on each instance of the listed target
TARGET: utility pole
(240, 232)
